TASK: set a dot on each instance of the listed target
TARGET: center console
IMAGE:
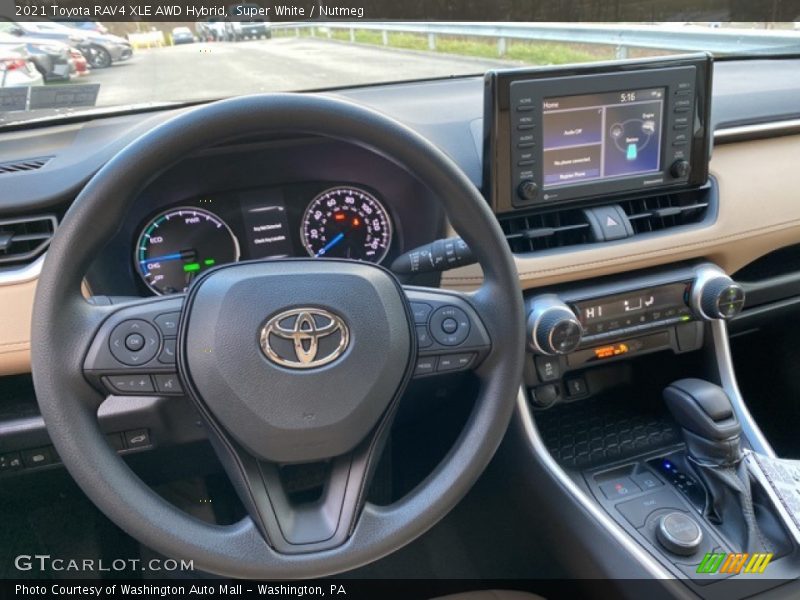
(630, 403)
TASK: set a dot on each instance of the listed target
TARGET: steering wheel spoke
(133, 352)
(303, 507)
(451, 335)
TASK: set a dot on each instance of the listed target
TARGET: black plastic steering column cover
(64, 326)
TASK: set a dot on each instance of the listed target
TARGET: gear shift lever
(713, 439)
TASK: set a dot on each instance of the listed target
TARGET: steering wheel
(288, 361)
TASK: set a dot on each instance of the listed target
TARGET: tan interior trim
(758, 212)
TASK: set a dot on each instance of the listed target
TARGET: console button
(132, 334)
(576, 387)
(10, 462)
(636, 511)
(441, 331)
(168, 323)
(547, 367)
(455, 362)
(137, 438)
(619, 488)
(609, 223)
(168, 383)
(129, 384)
(37, 457)
(646, 480)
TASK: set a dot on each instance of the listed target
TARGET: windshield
(55, 68)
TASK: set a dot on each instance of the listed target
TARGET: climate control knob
(552, 327)
(717, 296)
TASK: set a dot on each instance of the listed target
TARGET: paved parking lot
(197, 71)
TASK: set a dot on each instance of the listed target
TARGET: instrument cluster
(178, 243)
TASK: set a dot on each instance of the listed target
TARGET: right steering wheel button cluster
(450, 336)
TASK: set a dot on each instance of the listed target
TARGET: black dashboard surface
(448, 112)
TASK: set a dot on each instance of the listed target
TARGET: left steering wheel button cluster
(134, 342)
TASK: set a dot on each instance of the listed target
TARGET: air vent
(24, 239)
(543, 231)
(570, 227)
(664, 212)
(19, 166)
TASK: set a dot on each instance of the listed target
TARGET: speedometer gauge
(347, 223)
(179, 244)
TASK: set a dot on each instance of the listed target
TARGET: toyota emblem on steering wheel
(304, 338)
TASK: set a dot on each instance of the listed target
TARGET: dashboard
(754, 124)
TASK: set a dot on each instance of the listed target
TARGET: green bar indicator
(686, 318)
(190, 267)
(209, 262)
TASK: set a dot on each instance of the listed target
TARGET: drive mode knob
(679, 533)
(553, 328)
(718, 297)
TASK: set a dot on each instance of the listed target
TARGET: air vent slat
(543, 231)
(28, 164)
(24, 239)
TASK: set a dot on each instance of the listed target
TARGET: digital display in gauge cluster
(176, 245)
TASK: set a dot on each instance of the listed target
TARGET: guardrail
(689, 38)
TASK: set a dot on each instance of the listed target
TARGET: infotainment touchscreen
(588, 132)
(601, 136)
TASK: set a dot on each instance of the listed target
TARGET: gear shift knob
(704, 412)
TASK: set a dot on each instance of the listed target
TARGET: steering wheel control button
(679, 533)
(449, 325)
(168, 323)
(127, 385)
(420, 310)
(619, 487)
(167, 355)
(134, 342)
(167, 383)
(424, 339)
(426, 365)
(442, 328)
(455, 362)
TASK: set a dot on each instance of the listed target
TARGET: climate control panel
(570, 320)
